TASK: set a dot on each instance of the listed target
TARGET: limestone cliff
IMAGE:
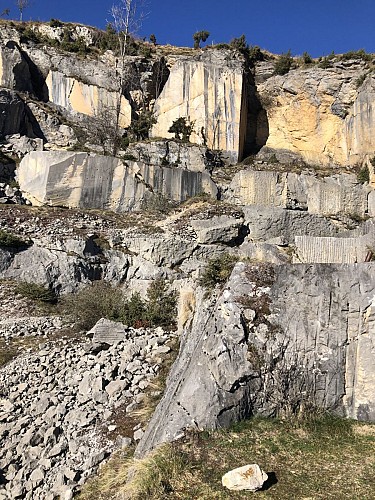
(208, 89)
(320, 115)
(323, 115)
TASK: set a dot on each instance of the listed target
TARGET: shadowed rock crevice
(255, 119)
(37, 78)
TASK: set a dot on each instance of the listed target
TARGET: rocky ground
(66, 401)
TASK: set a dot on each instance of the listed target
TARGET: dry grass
(322, 458)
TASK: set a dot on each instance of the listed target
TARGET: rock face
(14, 70)
(15, 118)
(276, 339)
(91, 100)
(337, 194)
(321, 114)
(208, 90)
(87, 181)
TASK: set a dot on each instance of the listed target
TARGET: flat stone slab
(107, 332)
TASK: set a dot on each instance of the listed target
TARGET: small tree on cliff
(127, 17)
(284, 63)
(200, 36)
(182, 129)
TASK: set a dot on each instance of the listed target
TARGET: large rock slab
(63, 271)
(107, 332)
(333, 250)
(218, 229)
(277, 224)
(337, 194)
(275, 340)
(61, 178)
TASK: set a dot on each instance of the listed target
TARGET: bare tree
(21, 6)
(127, 17)
(105, 131)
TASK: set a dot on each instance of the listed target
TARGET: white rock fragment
(249, 477)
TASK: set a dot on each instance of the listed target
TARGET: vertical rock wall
(90, 100)
(208, 90)
(321, 114)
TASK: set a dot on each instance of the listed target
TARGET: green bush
(158, 203)
(239, 43)
(306, 58)
(145, 50)
(360, 80)
(162, 304)
(283, 64)
(140, 127)
(251, 52)
(56, 23)
(254, 54)
(325, 63)
(36, 292)
(101, 300)
(135, 312)
(108, 39)
(182, 129)
(357, 54)
(29, 35)
(76, 46)
(363, 175)
(217, 271)
(9, 240)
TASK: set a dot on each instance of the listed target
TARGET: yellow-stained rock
(87, 99)
(321, 115)
(209, 92)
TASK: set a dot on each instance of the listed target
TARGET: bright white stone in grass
(249, 477)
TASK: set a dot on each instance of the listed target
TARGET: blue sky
(318, 27)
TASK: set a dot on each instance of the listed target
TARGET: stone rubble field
(57, 408)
